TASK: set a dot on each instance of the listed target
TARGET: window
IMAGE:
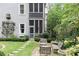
(40, 26)
(22, 9)
(35, 7)
(40, 7)
(30, 7)
(36, 26)
(31, 22)
(8, 16)
(31, 29)
(22, 28)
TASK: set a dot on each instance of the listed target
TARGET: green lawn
(27, 51)
(12, 46)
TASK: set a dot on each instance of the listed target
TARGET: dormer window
(8, 16)
(21, 9)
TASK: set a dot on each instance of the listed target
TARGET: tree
(54, 18)
(70, 22)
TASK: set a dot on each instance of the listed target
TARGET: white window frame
(19, 9)
(20, 29)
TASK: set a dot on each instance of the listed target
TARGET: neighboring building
(28, 17)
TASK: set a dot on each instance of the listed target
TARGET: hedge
(14, 39)
(2, 53)
(37, 38)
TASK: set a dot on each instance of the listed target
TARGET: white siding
(13, 9)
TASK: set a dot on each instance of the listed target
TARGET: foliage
(69, 26)
(74, 50)
(8, 28)
(2, 53)
(26, 37)
(54, 17)
(44, 35)
(13, 39)
(37, 38)
(71, 51)
(68, 43)
(49, 40)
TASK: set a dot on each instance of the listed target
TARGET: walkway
(18, 50)
(36, 52)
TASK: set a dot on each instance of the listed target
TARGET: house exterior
(29, 18)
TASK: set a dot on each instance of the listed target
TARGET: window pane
(40, 26)
(31, 22)
(36, 7)
(36, 26)
(22, 30)
(31, 30)
(21, 26)
(21, 9)
(30, 7)
(8, 16)
(40, 7)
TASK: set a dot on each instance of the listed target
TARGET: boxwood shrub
(37, 38)
(44, 35)
(2, 53)
(49, 40)
(15, 39)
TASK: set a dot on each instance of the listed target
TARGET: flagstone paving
(18, 50)
(36, 52)
(2, 46)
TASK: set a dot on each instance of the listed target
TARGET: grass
(27, 51)
(12, 46)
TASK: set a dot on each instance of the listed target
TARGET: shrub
(2, 53)
(13, 36)
(37, 38)
(68, 43)
(71, 51)
(44, 35)
(26, 37)
(49, 40)
(14, 39)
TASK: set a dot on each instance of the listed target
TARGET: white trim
(21, 34)
(19, 9)
(38, 27)
(38, 8)
(33, 7)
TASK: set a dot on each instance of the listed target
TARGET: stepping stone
(22, 47)
(19, 49)
(11, 54)
(15, 51)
